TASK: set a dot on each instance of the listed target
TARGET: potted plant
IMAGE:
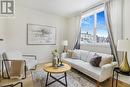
(55, 58)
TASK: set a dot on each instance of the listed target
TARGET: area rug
(74, 79)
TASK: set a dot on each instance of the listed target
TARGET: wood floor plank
(29, 83)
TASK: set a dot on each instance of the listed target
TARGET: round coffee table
(52, 70)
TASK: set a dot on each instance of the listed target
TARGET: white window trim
(93, 12)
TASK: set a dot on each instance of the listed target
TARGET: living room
(42, 30)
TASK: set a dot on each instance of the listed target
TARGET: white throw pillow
(90, 55)
(84, 55)
(69, 53)
(106, 59)
(76, 54)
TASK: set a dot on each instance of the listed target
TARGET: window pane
(87, 26)
(91, 33)
(101, 29)
(100, 19)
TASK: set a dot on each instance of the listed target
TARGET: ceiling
(58, 7)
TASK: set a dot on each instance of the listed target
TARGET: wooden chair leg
(98, 84)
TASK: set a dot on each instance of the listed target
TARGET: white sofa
(100, 74)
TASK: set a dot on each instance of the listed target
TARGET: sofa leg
(110, 82)
(98, 84)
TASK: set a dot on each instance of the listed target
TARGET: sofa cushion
(69, 53)
(90, 55)
(106, 59)
(98, 73)
(85, 68)
(84, 55)
(75, 54)
(95, 61)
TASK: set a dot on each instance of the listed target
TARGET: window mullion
(94, 30)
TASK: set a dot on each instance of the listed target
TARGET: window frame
(89, 13)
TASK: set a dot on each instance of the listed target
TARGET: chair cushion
(16, 72)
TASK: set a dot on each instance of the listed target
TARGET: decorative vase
(55, 62)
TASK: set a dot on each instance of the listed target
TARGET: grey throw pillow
(95, 61)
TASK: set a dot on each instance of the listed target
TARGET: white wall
(127, 22)
(16, 32)
(126, 28)
(2, 27)
(127, 18)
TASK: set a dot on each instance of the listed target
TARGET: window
(93, 27)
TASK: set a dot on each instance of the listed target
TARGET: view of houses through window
(93, 27)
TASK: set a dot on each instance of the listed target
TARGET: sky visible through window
(87, 24)
(89, 33)
(101, 25)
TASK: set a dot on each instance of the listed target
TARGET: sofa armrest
(111, 65)
(106, 71)
(106, 66)
(114, 64)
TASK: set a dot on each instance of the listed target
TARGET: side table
(52, 70)
(118, 71)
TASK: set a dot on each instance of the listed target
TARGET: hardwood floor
(29, 83)
(107, 83)
(122, 84)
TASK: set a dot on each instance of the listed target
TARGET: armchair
(11, 59)
(29, 62)
(12, 71)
